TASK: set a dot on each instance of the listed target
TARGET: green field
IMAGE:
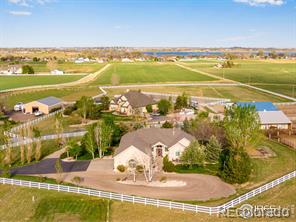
(10, 82)
(280, 76)
(235, 93)
(17, 205)
(67, 67)
(149, 73)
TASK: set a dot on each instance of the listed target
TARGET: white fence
(151, 201)
(34, 121)
(43, 138)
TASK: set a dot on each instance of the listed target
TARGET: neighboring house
(45, 105)
(57, 72)
(145, 146)
(126, 60)
(269, 115)
(131, 103)
(12, 69)
(82, 60)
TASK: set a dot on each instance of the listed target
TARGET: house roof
(143, 139)
(50, 101)
(137, 99)
(273, 117)
(260, 106)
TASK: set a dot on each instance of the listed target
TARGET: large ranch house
(147, 145)
(132, 103)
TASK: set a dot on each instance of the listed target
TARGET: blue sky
(148, 23)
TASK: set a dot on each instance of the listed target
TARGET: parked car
(38, 113)
(18, 107)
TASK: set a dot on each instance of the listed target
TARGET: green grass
(17, 205)
(149, 73)
(280, 76)
(10, 82)
(210, 169)
(235, 93)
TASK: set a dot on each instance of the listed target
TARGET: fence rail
(151, 201)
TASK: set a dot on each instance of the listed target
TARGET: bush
(235, 166)
(121, 168)
(69, 110)
(168, 166)
(163, 179)
(139, 168)
(149, 108)
(26, 69)
(167, 124)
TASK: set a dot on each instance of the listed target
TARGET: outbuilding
(45, 105)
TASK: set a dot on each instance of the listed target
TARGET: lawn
(149, 73)
(17, 205)
(235, 93)
(67, 94)
(279, 76)
(10, 82)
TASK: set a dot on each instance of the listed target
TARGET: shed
(45, 105)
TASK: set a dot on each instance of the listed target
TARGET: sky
(148, 23)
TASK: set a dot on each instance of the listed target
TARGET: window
(177, 153)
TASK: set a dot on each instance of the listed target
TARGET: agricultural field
(235, 93)
(275, 76)
(67, 67)
(17, 205)
(67, 94)
(139, 73)
(10, 82)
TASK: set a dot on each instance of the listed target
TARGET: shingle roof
(143, 139)
(50, 101)
(137, 99)
(273, 117)
(260, 106)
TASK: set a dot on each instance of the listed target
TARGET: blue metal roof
(260, 106)
(50, 101)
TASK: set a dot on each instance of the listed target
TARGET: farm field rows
(10, 82)
(235, 93)
(139, 73)
(280, 77)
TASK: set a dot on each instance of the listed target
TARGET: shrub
(26, 69)
(235, 166)
(69, 110)
(140, 168)
(167, 124)
(163, 179)
(121, 168)
(168, 166)
(149, 108)
(77, 180)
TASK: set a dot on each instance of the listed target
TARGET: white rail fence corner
(151, 201)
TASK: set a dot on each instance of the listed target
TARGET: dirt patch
(20, 117)
(169, 183)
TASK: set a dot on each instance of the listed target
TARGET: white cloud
(20, 13)
(261, 2)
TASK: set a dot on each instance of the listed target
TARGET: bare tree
(29, 145)
(22, 146)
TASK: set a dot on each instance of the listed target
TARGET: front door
(159, 152)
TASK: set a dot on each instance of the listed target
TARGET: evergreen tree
(213, 150)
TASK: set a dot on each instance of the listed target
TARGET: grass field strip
(151, 201)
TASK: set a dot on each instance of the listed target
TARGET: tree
(167, 124)
(29, 145)
(241, 125)
(149, 108)
(103, 137)
(38, 151)
(181, 102)
(213, 150)
(235, 165)
(4, 139)
(26, 69)
(105, 100)
(168, 166)
(85, 106)
(59, 127)
(164, 106)
(22, 146)
(193, 154)
(75, 150)
(89, 140)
